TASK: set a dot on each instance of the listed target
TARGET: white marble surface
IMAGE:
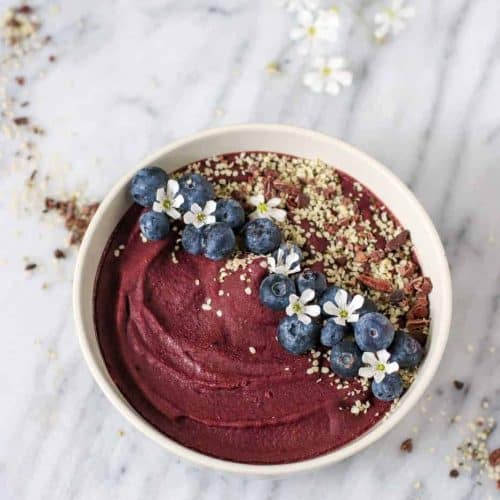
(131, 76)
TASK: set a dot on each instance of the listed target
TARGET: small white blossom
(313, 30)
(201, 217)
(298, 305)
(267, 209)
(378, 365)
(168, 201)
(328, 75)
(284, 265)
(392, 19)
(343, 311)
(298, 5)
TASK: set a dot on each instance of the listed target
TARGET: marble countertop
(121, 78)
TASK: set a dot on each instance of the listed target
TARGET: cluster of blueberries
(372, 332)
(215, 240)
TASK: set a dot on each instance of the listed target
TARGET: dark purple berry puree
(189, 344)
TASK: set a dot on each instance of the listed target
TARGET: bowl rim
(118, 401)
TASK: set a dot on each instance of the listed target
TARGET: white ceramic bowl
(293, 141)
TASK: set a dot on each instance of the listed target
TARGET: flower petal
(172, 188)
(273, 202)
(173, 213)
(161, 194)
(369, 358)
(210, 219)
(392, 367)
(341, 298)
(339, 321)
(366, 372)
(352, 318)
(210, 207)
(157, 207)
(303, 318)
(293, 299)
(379, 376)
(256, 200)
(356, 303)
(188, 218)
(332, 88)
(178, 201)
(195, 208)
(383, 355)
(331, 309)
(307, 295)
(277, 213)
(313, 310)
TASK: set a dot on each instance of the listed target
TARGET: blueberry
(367, 307)
(329, 295)
(389, 389)
(406, 350)
(345, 359)
(262, 236)
(231, 212)
(331, 333)
(195, 189)
(145, 183)
(154, 225)
(311, 279)
(373, 332)
(218, 241)
(192, 240)
(296, 337)
(275, 290)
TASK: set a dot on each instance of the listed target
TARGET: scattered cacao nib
(341, 261)
(378, 284)
(458, 385)
(376, 256)
(454, 473)
(422, 284)
(52, 58)
(76, 217)
(360, 257)
(498, 484)
(398, 241)
(407, 445)
(24, 104)
(24, 9)
(21, 120)
(408, 269)
(380, 243)
(37, 130)
(397, 296)
(268, 188)
(59, 254)
(418, 311)
(494, 457)
(32, 176)
(302, 200)
(20, 80)
(30, 266)
(416, 325)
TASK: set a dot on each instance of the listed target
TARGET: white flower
(267, 209)
(298, 5)
(199, 217)
(378, 365)
(392, 19)
(282, 265)
(168, 200)
(314, 30)
(343, 311)
(298, 305)
(328, 75)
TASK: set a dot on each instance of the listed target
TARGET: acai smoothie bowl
(262, 299)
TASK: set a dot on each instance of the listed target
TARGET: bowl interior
(296, 142)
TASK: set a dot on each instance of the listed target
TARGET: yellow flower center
(326, 71)
(297, 307)
(167, 204)
(262, 208)
(200, 217)
(343, 314)
(380, 367)
(311, 31)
